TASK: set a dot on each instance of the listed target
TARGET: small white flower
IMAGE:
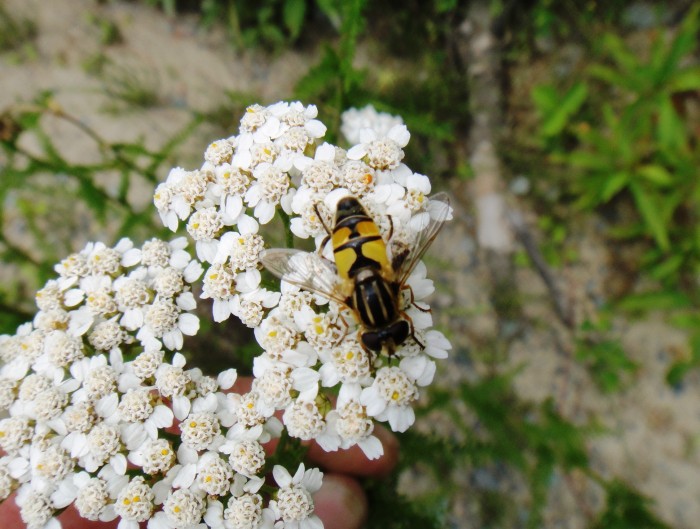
(358, 177)
(183, 508)
(154, 457)
(7, 482)
(294, 505)
(303, 420)
(389, 398)
(103, 445)
(50, 297)
(15, 432)
(143, 418)
(270, 186)
(164, 320)
(214, 475)
(62, 349)
(8, 392)
(201, 431)
(107, 335)
(36, 510)
(219, 152)
(244, 509)
(355, 120)
(204, 226)
(249, 307)
(146, 364)
(383, 153)
(92, 499)
(246, 457)
(354, 427)
(134, 503)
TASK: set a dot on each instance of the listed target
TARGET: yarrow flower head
(95, 384)
(279, 163)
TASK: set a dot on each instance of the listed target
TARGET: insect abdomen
(374, 301)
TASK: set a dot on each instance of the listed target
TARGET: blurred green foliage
(624, 131)
(36, 232)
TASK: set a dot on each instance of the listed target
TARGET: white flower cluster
(354, 121)
(278, 160)
(86, 391)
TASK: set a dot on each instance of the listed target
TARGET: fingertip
(341, 503)
(390, 443)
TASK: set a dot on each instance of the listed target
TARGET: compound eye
(399, 332)
(372, 341)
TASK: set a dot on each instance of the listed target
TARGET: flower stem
(289, 236)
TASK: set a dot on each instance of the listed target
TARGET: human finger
(341, 503)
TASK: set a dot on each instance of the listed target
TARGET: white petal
(399, 134)
(193, 271)
(372, 447)
(181, 407)
(186, 476)
(371, 399)
(315, 128)
(107, 405)
(187, 455)
(357, 152)
(282, 476)
(131, 257)
(73, 297)
(162, 416)
(221, 310)
(118, 463)
(247, 224)
(401, 418)
(173, 340)
(312, 480)
(226, 379)
(186, 301)
(264, 211)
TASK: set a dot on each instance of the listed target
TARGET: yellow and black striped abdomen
(374, 300)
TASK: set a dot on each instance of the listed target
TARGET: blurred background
(568, 282)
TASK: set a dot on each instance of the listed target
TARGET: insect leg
(413, 299)
(413, 329)
(328, 231)
(391, 228)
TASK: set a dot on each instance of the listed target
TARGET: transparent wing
(306, 270)
(405, 259)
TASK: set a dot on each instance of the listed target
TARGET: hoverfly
(362, 278)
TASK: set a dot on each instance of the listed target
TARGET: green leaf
(613, 185)
(626, 509)
(545, 98)
(685, 79)
(664, 300)
(616, 47)
(563, 109)
(682, 45)
(650, 212)
(612, 76)
(656, 174)
(668, 267)
(331, 9)
(293, 14)
(670, 129)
